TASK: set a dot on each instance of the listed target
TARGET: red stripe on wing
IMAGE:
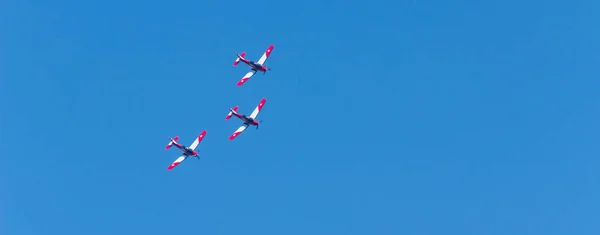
(242, 81)
(173, 165)
(261, 104)
(234, 135)
(201, 136)
(268, 52)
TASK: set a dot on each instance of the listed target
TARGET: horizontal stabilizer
(171, 142)
(237, 60)
(231, 113)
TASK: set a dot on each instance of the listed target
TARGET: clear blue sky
(382, 117)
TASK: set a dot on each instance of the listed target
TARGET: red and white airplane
(187, 151)
(254, 66)
(248, 120)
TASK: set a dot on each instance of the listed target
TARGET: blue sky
(382, 117)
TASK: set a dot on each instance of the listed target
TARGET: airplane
(254, 66)
(187, 151)
(248, 120)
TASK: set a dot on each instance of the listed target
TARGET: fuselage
(246, 119)
(255, 65)
(186, 150)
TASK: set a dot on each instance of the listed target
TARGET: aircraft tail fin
(237, 60)
(171, 142)
(231, 111)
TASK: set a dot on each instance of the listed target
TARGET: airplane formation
(248, 120)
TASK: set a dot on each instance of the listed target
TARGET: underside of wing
(264, 57)
(176, 162)
(197, 140)
(246, 77)
(238, 131)
(258, 108)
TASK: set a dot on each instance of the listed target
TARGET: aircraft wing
(246, 77)
(176, 162)
(238, 131)
(258, 108)
(197, 140)
(264, 57)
